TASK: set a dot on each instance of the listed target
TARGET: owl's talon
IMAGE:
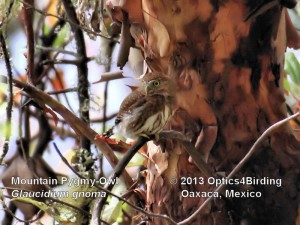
(106, 139)
(100, 137)
(160, 142)
(112, 141)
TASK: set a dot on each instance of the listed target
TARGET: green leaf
(137, 160)
(47, 29)
(4, 15)
(60, 213)
(40, 205)
(286, 85)
(113, 211)
(61, 36)
(292, 67)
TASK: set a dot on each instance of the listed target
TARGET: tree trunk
(229, 77)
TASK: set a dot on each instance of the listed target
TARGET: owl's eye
(156, 83)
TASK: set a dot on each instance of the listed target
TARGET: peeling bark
(229, 76)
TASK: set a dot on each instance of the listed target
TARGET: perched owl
(146, 110)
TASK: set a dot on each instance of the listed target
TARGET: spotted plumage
(146, 110)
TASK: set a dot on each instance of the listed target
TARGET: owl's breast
(133, 126)
(155, 123)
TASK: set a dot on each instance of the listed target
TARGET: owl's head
(157, 84)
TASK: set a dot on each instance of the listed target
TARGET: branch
(239, 166)
(71, 22)
(259, 9)
(83, 95)
(189, 147)
(47, 41)
(28, 21)
(9, 98)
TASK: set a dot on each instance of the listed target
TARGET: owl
(146, 110)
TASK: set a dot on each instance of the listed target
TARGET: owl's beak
(146, 89)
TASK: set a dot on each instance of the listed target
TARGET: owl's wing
(140, 106)
(133, 100)
(142, 110)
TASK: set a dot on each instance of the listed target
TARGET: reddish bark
(229, 74)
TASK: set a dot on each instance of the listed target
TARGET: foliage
(57, 35)
(8, 10)
(292, 79)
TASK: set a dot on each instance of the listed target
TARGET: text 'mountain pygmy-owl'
(146, 110)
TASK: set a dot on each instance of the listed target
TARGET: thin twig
(82, 69)
(290, 112)
(62, 91)
(105, 106)
(71, 22)
(49, 49)
(246, 158)
(47, 41)
(76, 62)
(38, 215)
(9, 214)
(96, 120)
(101, 120)
(8, 210)
(71, 206)
(9, 97)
